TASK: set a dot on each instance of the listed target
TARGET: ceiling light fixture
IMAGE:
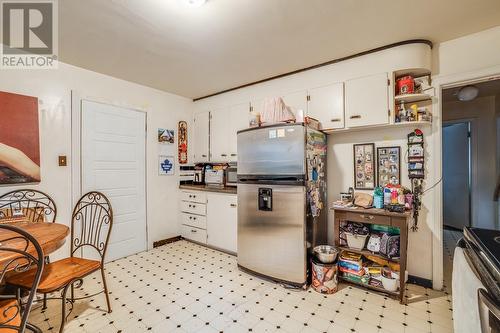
(467, 93)
(195, 3)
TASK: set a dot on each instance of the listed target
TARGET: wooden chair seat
(9, 309)
(56, 275)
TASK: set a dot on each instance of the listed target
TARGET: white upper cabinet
(326, 104)
(296, 101)
(201, 136)
(367, 101)
(224, 125)
(219, 145)
(238, 120)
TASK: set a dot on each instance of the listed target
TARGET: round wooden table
(50, 236)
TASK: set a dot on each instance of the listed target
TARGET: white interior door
(114, 162)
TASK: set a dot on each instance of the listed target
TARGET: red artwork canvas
(19, 139)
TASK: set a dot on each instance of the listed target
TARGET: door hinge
(388, 82)
(251, 108)
(389, 112)
(308, 98)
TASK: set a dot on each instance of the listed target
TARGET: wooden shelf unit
(379, 217)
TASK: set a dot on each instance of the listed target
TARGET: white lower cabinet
(193, 208)
(194, 234)
(210, 218)
(222, 221)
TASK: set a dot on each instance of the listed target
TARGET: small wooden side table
(380, 217)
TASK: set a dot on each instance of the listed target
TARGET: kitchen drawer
(194, 220)
(194, 196)
(194, 234)
(193, 208)
(368, 218)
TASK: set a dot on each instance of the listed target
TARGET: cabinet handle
(190, 217)
(233, 205)
(335, 120)
(203, 155)
(223, 155)
(190, 196)
(234, 155)
(194, 231)
(367, 217)
(194, 218)
(357, 116)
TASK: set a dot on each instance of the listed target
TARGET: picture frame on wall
(388, 166)
(166, 165)
(364, 166)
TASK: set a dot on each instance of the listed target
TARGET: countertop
(228, 190)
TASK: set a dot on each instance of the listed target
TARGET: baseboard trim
(426, 283)
(166, 241)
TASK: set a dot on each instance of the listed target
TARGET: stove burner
(497, 239)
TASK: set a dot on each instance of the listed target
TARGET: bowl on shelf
(326, 253)
(355, 241)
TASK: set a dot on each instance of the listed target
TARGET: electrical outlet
(63, 161)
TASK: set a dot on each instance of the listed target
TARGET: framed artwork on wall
(388, 166)
(19, 139)
(182, 142)
(166, 165)
(165, 135)
(364, 166)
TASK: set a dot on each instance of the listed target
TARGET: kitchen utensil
(326, 253)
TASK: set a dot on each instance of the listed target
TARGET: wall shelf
(412, 98)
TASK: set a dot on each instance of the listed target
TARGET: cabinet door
(326, 104)
(222, 221)
(238, 120)
(219, 145)
(296, 101)
(201, 136)
(367, 101)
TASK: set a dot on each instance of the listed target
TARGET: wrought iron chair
(31, 205)
(90, 229)
(20, 252)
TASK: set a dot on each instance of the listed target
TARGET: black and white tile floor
(184, 287)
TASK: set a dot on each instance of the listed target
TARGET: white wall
(340, 156)
(53, 88)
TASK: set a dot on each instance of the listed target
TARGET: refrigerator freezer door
(271, 237)
(273, 150)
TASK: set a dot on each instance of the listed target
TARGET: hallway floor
(184, 287)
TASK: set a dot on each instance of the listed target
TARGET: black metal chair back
(91, 223)
(22, 253)
(32, 205)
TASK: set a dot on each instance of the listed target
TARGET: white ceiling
(486, 89)
(193, 52)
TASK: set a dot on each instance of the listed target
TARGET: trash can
(324, 277)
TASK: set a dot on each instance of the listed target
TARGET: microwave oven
(232, 175)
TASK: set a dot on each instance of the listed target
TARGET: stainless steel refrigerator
(281, 200)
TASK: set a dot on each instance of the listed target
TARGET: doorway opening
(471, 162)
